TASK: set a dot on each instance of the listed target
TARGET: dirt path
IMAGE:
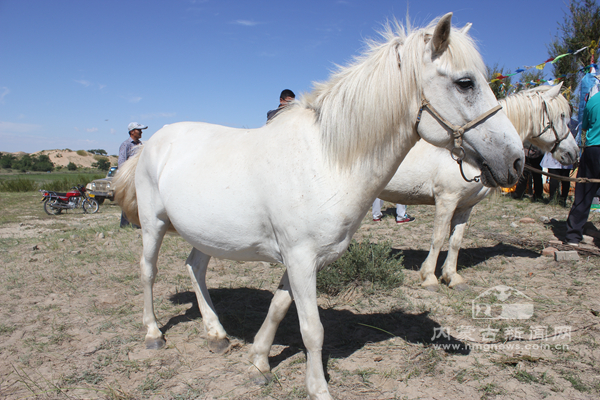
(70, 324)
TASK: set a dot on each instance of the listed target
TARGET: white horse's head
(368, 111)
(452, 79)
(541, 116)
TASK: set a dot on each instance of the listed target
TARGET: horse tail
(124, 185)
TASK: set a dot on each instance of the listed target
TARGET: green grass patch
(32, 182)
(18, 185)
(364, 264)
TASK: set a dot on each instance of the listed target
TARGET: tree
(498, 87)
(42, 163)
(580, 28)
(6, 160)
(24, 163)
(99, 152)
(71, 166)
(103, 164)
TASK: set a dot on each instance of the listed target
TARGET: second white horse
(429, 175)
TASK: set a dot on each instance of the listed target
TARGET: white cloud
(101, 86)
(83, 82)
(91, 130)
(245, 22)
(134, 99)
(113, 131)
(5, 91)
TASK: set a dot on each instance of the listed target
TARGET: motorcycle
(55, 202)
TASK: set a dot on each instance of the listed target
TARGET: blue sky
(74, 73)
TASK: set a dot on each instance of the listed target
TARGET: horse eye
(465, 83)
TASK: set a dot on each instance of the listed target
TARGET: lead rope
(458, 152)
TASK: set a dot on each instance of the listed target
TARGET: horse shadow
(467, 257)
(242, 311)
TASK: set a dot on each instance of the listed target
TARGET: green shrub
(363, 264)
(64, 184)
(82, 153)
(18, 185)
(71, 166)
(103, 163)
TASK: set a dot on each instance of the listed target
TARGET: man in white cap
(128, 149)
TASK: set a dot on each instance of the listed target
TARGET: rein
(458, 152)
(562, 178)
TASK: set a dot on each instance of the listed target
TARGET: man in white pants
(401, 216)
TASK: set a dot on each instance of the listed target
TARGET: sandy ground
(71, 315)
(64, 157)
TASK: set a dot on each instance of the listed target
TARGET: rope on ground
(562, 178)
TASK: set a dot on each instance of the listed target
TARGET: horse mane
(368, 109)
(521, 106)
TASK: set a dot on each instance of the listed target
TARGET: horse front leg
(449, 274)
(197, 264)
(152, 240)
(303, 281)
(441, 226)
(259, 353)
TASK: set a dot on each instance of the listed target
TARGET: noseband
(458, 152)
(550, 125)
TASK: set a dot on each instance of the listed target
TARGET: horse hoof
(263, 378)
(461, 287)
(432, 288)
(155, 344)
(218, 346)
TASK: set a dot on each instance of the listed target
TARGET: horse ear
(441, 35)
(465, 29)
(553, 93)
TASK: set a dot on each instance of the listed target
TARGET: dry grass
(71, 315)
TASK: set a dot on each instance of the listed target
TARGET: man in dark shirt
(286, 97)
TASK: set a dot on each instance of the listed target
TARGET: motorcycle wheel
(50, 209)
(90, 206)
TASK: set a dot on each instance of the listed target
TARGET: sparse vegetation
(71, 315)
(366, 264)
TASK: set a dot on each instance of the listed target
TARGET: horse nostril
(519, 165)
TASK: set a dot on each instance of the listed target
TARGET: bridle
(550, 125)
(458, 152)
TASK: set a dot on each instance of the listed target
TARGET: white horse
(306, 179)
(540, 115)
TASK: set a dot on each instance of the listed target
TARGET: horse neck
(366, 112)
(525, 113)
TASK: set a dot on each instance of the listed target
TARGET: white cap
(135, 125)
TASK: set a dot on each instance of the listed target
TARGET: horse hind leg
(441, 226)
(449, 274)
(197, 264)
(152, 238)
(259, 353)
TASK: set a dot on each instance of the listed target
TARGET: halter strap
(457, 152)
(550, 125)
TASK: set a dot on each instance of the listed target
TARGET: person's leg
(565, 185)
(124, 221)
(538, 186)
(377, 204)
(400, 211)
(553, 182)
(589, 167)
(521, 185)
